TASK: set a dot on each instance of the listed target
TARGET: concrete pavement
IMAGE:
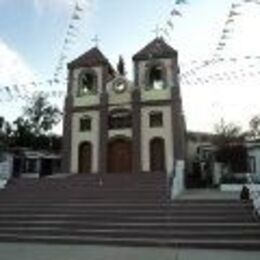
(13, 251)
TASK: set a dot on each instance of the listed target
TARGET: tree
(230, 145)
(41, 116)
(5, 132)
(254, 128)
(22, 135)
(227, 133)
(121, 66)
(32, 129)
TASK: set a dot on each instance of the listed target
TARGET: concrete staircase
(122, 210)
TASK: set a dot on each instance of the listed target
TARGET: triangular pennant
(179, 2)
(233, 13)
(229, 21)
(170, 24)
(78, 8)
(165, 31)
(75, 16)
(235, 5)
(175, 12)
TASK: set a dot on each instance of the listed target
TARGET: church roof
(93, 57)
(158, 48)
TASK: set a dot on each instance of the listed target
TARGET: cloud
(13, 71)
(42, 5)
(13, 68)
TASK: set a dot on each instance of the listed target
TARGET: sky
(32, 34)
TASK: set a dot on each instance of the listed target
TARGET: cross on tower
(96, 40)
(157, 31)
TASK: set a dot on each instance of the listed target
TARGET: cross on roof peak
(96, 40)
(158, 31)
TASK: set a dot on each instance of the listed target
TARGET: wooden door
(85, 157)
(120, 156)
(157, 155)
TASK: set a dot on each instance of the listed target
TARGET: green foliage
(254, 128)
(234, 155)
(230, 145)
(121, 66)
(227, 133)
(5, 132)
(32, 129)
(41, 115)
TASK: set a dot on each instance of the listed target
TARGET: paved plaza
(64, 252)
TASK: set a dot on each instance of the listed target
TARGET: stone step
(134, 219)
(85, 198)
(134, 233)
(140, 185)
(235, 243)
(117, 205)
(128, 225)
(123, 212)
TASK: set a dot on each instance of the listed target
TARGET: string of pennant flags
(224, 76)
(225, 37)
(197, 65)
(20, 91)
(15, 92)
(72, 32)
(228, 28)
(175, 12)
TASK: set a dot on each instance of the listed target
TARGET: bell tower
(84, 126)
(162, 123)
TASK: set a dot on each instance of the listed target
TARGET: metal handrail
(254, 194)
(176, 181)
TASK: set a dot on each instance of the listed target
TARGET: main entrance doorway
(85, 157)
(119, 156)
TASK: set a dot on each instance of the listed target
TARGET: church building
(114, 125)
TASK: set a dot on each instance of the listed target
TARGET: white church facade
(113, 125)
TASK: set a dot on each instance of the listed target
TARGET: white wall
(79, 137)
(148, 134)
(255, 152)
(6, 166)
(124, 97)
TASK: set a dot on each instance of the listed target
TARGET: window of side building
(156, 119)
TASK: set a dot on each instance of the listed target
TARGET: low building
(200, 160)
(34, 164)
(253, 150)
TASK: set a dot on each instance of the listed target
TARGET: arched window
(120, 119)
(156, 77)
(85, 124)
(87, 83)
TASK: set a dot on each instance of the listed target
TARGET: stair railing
(177, 183)
(254, 194)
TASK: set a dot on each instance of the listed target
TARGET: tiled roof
(158, 48)
(93, 57)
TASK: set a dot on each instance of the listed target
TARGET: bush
(234, 179)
